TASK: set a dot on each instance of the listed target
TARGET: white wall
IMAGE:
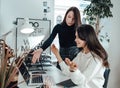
(114, 49)
(12, 9)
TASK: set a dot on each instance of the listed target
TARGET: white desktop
(51, 77)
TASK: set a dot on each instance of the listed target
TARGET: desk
(53, 72)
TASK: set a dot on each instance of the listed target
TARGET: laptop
(44, 61)
(31, 78)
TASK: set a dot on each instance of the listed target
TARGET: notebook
(31, 79)
(67, 83)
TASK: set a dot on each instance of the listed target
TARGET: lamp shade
(26, 27)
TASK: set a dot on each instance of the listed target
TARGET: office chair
(106, 76)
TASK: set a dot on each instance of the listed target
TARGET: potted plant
(9, 70)
(97, 10)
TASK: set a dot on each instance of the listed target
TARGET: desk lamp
(26, 27)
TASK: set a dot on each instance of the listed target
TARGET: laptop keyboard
(37, 79)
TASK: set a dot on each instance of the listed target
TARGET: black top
(66, 36)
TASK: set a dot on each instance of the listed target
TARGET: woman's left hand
(73, 66)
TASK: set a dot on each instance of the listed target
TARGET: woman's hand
(73, 66)
(54, 50)
(56, 53)
(36, 55)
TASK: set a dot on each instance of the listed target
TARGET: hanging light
(26, 27)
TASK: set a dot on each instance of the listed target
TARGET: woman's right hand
(55, 51)
(36, 55)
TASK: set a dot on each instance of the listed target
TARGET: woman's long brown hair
(87, 33)
(77, 16)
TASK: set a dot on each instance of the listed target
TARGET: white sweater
(89, 73)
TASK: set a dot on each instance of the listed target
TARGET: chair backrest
(106, 76)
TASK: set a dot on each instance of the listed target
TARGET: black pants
(70, 53)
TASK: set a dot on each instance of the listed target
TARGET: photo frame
(34, 40)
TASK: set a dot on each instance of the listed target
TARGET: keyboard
(37, 79)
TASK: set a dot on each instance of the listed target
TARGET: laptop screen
(24, 73)
(31, 79)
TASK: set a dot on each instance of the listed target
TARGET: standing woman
(88, 67)
(66, 34)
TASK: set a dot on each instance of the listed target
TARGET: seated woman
(87, 68)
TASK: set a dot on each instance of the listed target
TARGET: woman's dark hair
(87, 33)
(76, 16)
